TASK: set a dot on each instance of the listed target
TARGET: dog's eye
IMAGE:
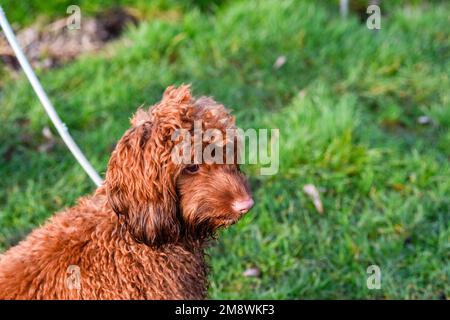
(192, 169)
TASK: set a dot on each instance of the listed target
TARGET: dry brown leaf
(281, 60)
(252, 272)
(314, 195)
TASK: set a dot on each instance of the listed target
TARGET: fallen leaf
(398, 186)
(252, 272)
(423, 120)
(281, 60)
(47, 133)
(50, 141)
(313, 193)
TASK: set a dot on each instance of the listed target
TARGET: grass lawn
(347, 103)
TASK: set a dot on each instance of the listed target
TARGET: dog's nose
(243, 206)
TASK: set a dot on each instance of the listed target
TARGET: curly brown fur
(143, 233)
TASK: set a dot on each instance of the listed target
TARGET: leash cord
(37, 87)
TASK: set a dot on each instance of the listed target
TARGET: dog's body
(142, 235)
(111, 265)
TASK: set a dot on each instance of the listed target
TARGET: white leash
(60, 126)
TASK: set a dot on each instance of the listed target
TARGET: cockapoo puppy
(143, 233)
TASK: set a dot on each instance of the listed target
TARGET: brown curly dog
(143, 233)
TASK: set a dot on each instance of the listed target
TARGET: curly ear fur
(141, 178)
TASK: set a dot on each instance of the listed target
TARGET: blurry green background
(363, 115)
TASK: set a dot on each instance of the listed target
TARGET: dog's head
(163, 190)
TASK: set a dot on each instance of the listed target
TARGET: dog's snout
(243, 206)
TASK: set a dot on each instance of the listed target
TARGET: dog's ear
(141, 178)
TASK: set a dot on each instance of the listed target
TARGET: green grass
(23, 13)
(346, 103)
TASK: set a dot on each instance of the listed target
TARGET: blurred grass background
(347, 103)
